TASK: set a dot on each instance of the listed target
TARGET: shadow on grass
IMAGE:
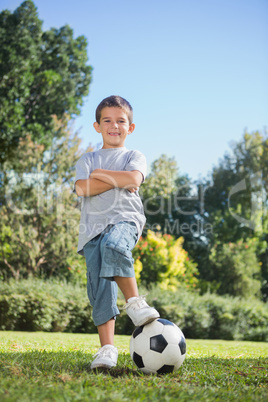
(42, 361)
(116, 371)
(77, 363)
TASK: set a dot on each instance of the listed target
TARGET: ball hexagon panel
(179, 363)
(172, 354)
(153, 361)
(147, 371)
(154, 328)
(140, 344)
(172, 334)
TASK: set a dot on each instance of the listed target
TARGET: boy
(112, 219)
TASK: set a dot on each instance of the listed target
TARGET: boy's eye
(109, 121)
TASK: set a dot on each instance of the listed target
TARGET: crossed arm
(102, 180)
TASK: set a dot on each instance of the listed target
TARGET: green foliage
(161, 259)
(228, 208)
(44, 78)
(173, 205)
(44, 73)
(39, 221)
(163, 192)
(235, 268)
(161, 180)
(36, 305)
(232, 212)
(235, 201)
(212, 316)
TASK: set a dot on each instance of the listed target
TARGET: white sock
(132, 299)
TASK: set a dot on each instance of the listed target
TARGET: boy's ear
(131, 128)
(97, 127)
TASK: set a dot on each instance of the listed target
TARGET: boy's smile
(114, 127)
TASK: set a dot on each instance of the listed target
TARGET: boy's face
(114, 127)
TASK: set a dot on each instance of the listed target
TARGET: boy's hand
(132, 190)
(90, 187)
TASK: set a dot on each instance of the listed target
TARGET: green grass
(55, 367)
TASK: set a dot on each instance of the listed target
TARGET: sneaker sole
(147, 320)
(104, 366)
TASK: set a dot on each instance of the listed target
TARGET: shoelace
(104, 351)
(137, 303)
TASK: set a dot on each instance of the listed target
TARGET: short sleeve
(137, 161)
(83, 169)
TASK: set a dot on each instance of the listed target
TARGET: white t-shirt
(112, 206)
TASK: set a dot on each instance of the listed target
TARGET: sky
(194, 71)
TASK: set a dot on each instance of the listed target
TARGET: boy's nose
(114, 124)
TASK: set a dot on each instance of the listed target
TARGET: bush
(236, 269)
(38, 305)
(161, 259)
(211, 316)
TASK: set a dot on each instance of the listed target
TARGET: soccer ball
(158, 347)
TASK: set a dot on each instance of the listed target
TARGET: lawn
(55, 367)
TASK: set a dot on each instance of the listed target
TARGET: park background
(195, 75)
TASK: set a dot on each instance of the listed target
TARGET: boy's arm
(102, 180)
(89, 187)
(129, 180)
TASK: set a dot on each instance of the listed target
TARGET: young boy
(112, 219)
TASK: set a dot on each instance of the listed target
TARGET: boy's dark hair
(115, 101)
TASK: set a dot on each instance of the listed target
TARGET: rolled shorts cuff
(102, 317)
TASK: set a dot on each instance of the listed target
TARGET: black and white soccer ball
(158, 347)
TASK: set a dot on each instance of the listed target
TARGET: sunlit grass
(55, 367)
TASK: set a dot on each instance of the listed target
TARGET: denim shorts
(107, 255)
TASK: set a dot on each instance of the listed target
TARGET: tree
(236, 200)
(158, 192)
(40, 219)
(235, 268)
(174, 205)
(42, 74)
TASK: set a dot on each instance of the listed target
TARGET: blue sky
(195, 71)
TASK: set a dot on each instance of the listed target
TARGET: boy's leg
(102, 295)
(117, 265)
(128, 286)
(136, 307)
(107, 355)
(106, 332)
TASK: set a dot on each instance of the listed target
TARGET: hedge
(211, 316)
(38, 305)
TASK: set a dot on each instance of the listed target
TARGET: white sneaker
(139, 312)
(106, 357)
